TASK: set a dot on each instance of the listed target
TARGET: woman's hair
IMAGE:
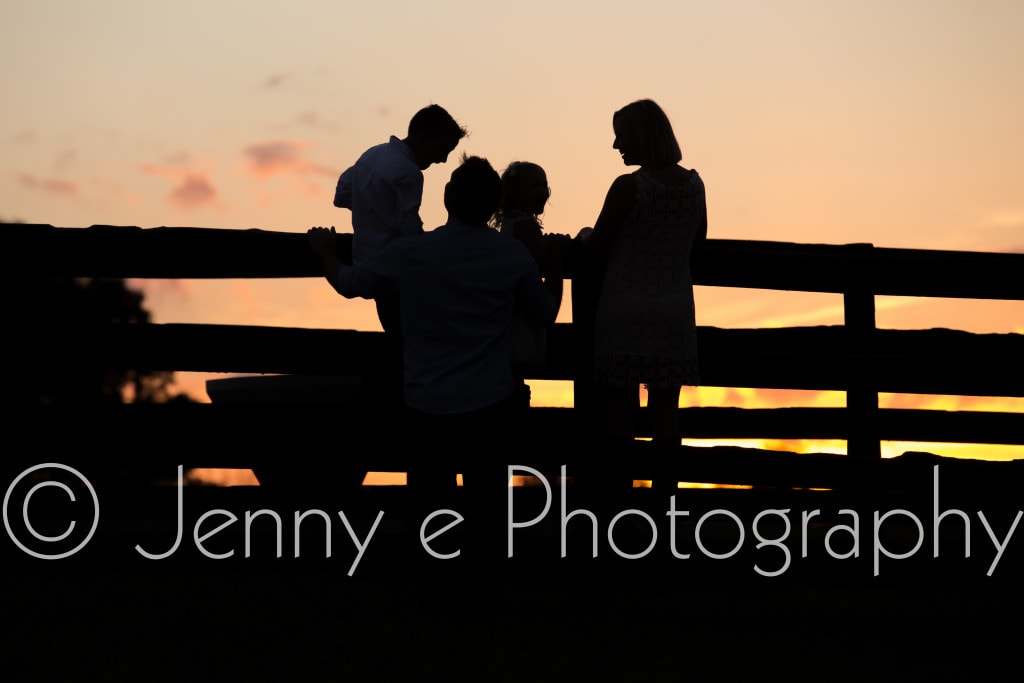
(510, 179)
(653, 131)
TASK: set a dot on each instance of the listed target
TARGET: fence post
(863, 437)
(587, 275)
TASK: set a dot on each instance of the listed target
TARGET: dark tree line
(44, 319)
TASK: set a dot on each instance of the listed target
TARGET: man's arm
(536, 300)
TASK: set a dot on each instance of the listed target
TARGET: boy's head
(433, 135)
(474, 191)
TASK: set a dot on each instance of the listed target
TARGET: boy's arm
(324, 242)
(408, 197)
(343, 192)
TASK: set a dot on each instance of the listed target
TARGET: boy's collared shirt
(384, 190)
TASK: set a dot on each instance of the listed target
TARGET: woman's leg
(621, 413)
(621, 406)
(664, 407)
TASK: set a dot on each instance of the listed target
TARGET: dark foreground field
(119, 627)
(891, 611)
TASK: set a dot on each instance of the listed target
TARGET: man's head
(433, 135)
(474, 191)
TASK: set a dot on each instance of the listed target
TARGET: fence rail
(856, 358)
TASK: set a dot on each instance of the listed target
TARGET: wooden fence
(856, 358)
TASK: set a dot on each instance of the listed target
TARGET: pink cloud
(194, 190)
(267, 159)
(50, 185)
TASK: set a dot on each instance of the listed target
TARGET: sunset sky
(895, 123)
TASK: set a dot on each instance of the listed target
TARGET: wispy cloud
(55, 186)
(311, 119)
(65, 159)
(179, 158)
(275, 81)
(193, 189)
(266, 159)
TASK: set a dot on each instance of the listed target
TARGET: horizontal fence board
(811, 358)
(187, 252)
(245, 435)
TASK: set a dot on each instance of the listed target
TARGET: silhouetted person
(525, 193)
(459, 286)
(384, 190)
(645, 322)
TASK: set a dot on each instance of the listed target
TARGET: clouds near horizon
(279, 157)
(55, 186)
(192, 189)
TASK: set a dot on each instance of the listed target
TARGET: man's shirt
(459, 286)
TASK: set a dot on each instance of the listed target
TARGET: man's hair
(474, 191)
(650, 124)
(434, 120)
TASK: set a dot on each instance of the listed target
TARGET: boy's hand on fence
(322, 239)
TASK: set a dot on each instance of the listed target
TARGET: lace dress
(646, 330)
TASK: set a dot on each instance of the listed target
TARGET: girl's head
(643, 134)
(525, 190)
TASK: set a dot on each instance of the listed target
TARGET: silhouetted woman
(645, 327)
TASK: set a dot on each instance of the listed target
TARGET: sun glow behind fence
(560, 394)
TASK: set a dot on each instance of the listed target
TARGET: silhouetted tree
(51, 310)
(50, 352)
(47, 318)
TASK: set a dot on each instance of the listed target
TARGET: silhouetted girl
(525, 193)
